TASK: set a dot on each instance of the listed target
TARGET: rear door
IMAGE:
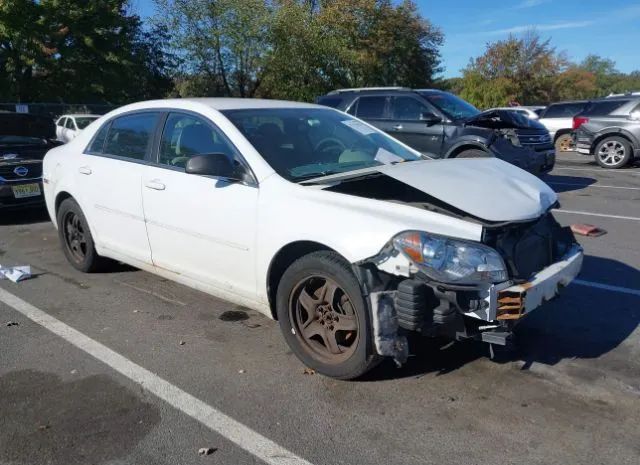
(110, 178)
(407, 126)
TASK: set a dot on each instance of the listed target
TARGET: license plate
(26, 190)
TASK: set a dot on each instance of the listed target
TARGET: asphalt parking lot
(154, 371)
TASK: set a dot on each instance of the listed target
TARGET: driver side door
(410, 129)
(202, 227)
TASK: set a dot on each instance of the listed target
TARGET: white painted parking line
(576, 212)
(553, 183)
(607, 287)
(597, 170)
(243, 436)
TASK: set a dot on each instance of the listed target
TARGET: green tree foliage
(79, 50)
(298, 49)
(529, 70)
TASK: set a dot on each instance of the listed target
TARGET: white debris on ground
(15, 273)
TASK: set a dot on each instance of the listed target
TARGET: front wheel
(613, 152)
(324, 316)
(474, 153)
(564, 143)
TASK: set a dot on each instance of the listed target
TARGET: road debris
(207, 450)
(182, 343)
(587, 230)
(309, 371)
(15, 273)
(251, 325)
(241, 371)
(12, 323)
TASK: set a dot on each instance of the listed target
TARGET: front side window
(302, 143)
(185, 136)
(61, 122)
(408, 109)
(130, 136)
(371, 107)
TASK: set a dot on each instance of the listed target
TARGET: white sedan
(69, 126)
(346, 236)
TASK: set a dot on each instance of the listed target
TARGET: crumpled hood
(486, 188)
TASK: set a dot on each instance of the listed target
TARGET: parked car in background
(443, 125)
(558, 119)
(609, 130)
(68, 126)
(345, 235)
(531, 112)
(626, 94)
(24, 140)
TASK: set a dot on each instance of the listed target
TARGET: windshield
(303, 143)
(452, 106)
(21, 140)
(84, 121)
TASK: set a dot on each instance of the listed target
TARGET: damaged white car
(346, 236)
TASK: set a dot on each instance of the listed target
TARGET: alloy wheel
(323, 319)
(75, 236)
(611, 153)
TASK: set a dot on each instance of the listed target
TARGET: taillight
(579, 121)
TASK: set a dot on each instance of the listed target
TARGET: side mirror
(213, 164)
(429, 118)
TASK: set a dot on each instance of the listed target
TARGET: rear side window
(62, 122)
(97, 144)
(371, 107)
(408, 109)
(332, 102)
(130, 136)
(564, 110)
(69, 124)
(603, 108)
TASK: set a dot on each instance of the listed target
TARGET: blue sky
(608, 28)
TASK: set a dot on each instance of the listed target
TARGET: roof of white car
(222, 103)
(79, 115)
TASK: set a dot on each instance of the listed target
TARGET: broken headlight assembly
(449, 260)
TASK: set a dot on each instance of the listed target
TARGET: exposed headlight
(451, 260)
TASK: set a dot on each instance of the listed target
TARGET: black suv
(24, 140)
(609, 129)
(441, 125)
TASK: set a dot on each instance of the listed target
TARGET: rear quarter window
(603, 108)
(97, 144)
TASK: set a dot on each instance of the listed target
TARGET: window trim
(146, 160)
(155, 158)
(424, 103)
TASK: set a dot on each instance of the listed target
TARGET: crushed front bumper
(512, 302)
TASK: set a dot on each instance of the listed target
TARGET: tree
(79, 51)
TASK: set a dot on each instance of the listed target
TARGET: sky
(609, 28)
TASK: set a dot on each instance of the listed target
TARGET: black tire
(613, 152)
(473, 153)
(360, 354)
(83, 255)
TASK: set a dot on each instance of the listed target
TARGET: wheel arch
(467, 145)
(622, 134)
(561, 132)
(282, 260)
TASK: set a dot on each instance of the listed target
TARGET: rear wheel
(613, 152)
(564, 143)
(75, 238)
(324, 316)
(473, 153)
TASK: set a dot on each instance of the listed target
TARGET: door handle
(398, 127)
(84, 170)
(155, 185)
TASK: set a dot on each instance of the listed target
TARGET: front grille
(537, 140)
(528, 248)
(7, 172)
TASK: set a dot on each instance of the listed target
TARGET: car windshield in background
(303, 143)
(21, 140)
(84, 121)
(452, 106)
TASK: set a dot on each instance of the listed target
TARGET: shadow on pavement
(584, 322)
(24, 216)
(568, 183)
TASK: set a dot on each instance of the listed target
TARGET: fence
(53, 110)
